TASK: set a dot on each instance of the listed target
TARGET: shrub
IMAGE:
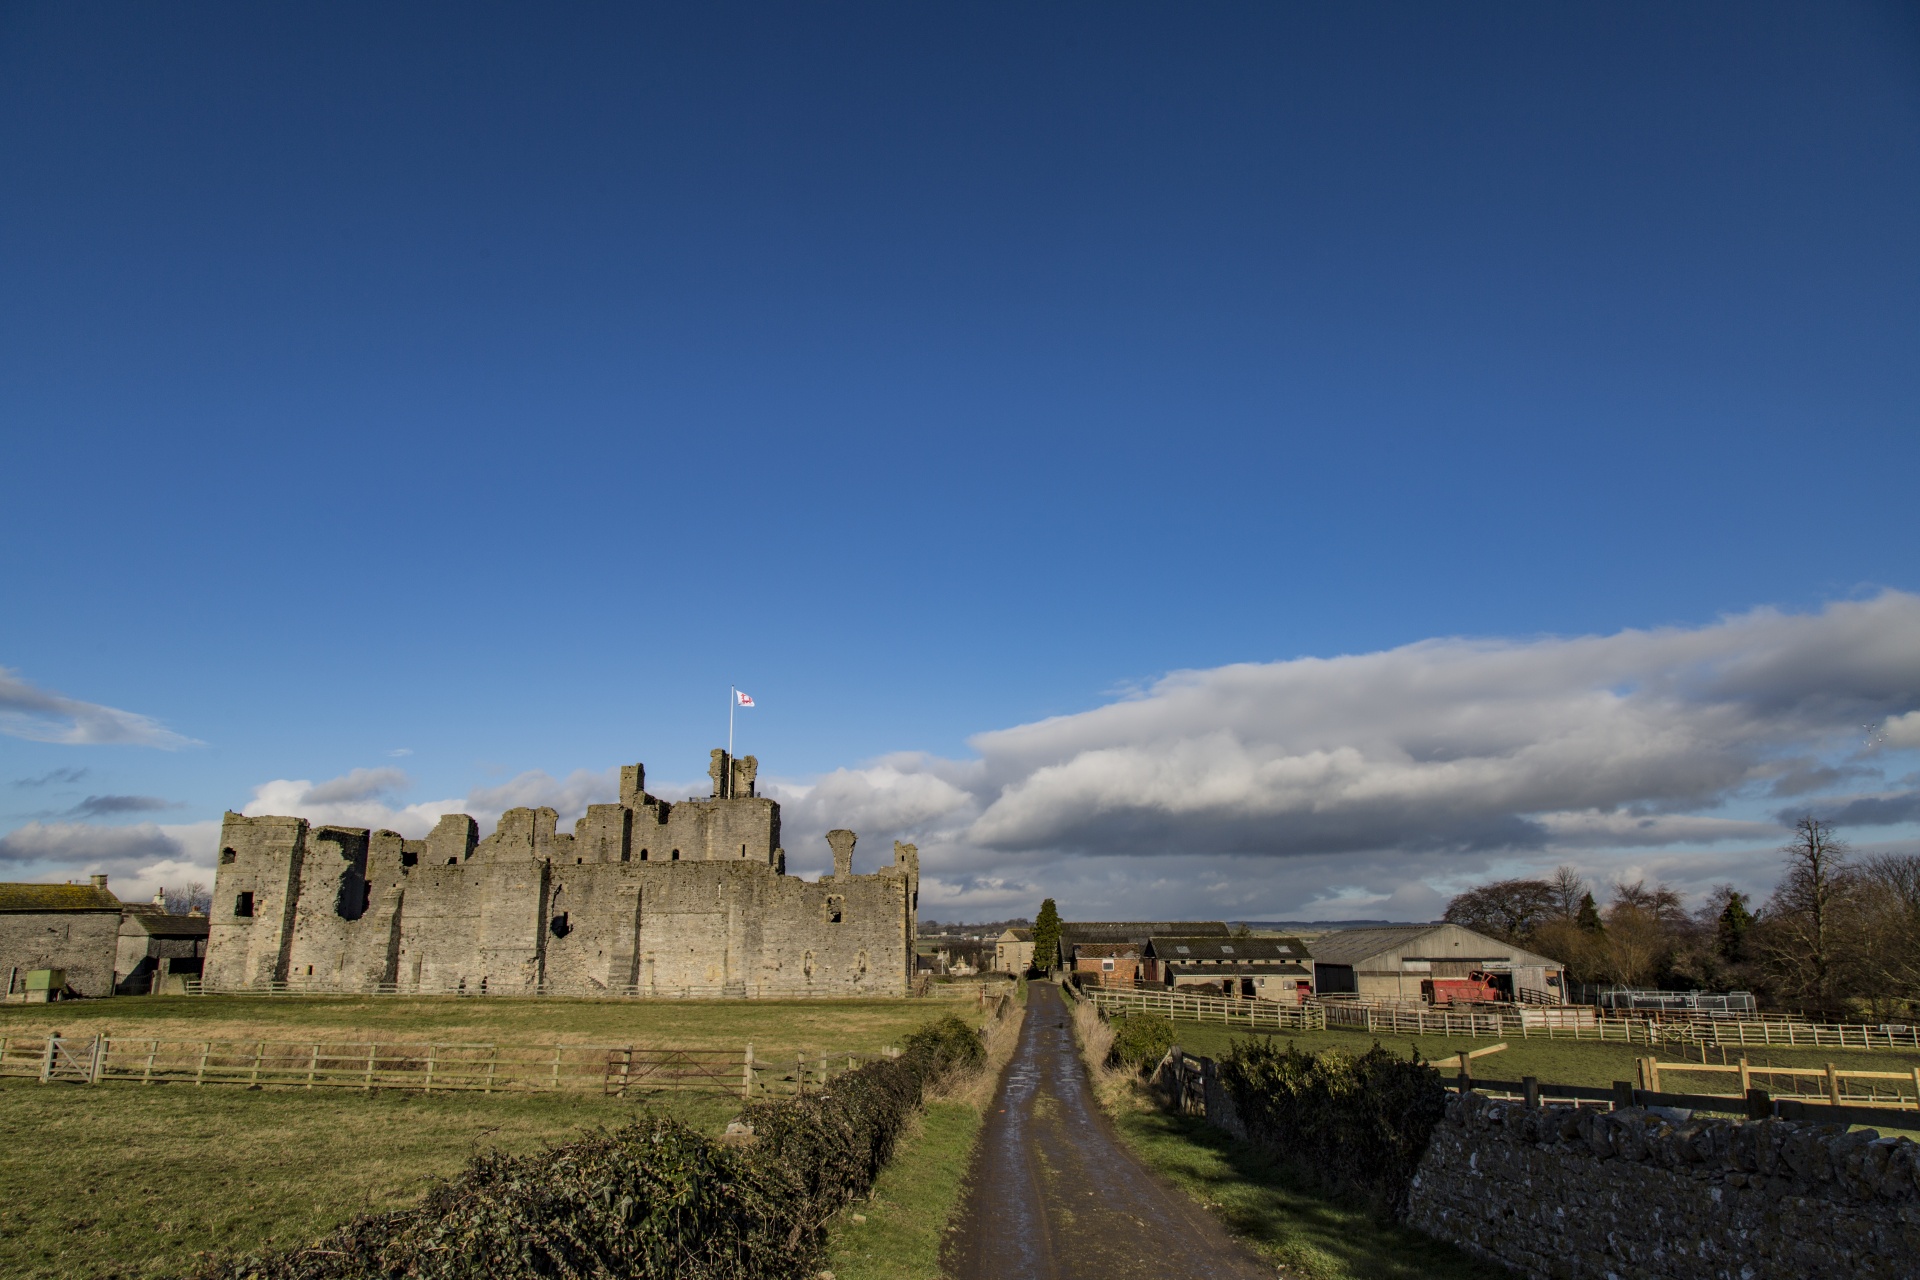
(653, 1199)
(1141, 1039)
(1357, 1124)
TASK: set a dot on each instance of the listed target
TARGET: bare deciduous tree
(1804, 944)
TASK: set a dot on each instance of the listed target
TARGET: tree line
(1838, 938)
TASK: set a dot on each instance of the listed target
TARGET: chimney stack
(98, 881)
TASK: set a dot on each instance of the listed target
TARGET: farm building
(1254, 968)
(1013, 951)
(1134, 931)
(72, 927)
(155, 949)
(1110, 964)
(1391, 962)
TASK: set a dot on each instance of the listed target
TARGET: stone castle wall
(641, 897)
(1628, 1195)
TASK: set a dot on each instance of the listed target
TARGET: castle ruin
(643, 898)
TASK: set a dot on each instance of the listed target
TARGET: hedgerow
(1140, 1039)
(651, 1200)
(1356, 1123)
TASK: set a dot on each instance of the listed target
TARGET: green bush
(652, 1200)
(1357, 1124)
(1140, 1040)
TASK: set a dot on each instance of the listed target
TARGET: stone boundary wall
(1635, 1194)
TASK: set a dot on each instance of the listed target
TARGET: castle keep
(644, 897)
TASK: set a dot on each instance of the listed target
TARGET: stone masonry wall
(641, 897)
(1630, 1195)
(84, 943)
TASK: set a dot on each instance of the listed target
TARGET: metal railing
(617, 1070)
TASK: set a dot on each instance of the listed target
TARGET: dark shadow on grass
(1289, 1209)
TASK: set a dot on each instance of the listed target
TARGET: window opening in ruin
(453, 862)
(409, 858)
(227, 856)
(643, 855)
(676, 855)
(836, 909)
(243, 905)
(560, 926)
(309, 971)
(743, 851)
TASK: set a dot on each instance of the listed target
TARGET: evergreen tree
(1589, 917)
(1731, 933)
(1046, 937)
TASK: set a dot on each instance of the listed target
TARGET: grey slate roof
(1137, 931)
(155, 922)
(1351, 946)
(1186, 949)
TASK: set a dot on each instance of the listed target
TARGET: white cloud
(138, 860)
(369, 798)
(1405, 774)
(41, 716)
(1902, 731)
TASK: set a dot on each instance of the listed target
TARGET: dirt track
(1056, 1196)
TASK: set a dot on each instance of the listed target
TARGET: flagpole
(733, 696)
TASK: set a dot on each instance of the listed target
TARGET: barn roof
(1096, 949)
(156, 922)
(1185, 948)
(1420, 941)
(57, 897)
(1137, 931)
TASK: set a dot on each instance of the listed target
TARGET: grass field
(1576, 1062)
(774, 1026)
(125, 1180)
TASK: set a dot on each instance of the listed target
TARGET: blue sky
(496, 385)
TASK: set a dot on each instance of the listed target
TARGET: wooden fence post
(366, 1082)
(493, 1061)
(556, 1066)
(46, 1059)
(1833, 1086)
(313, 1064)
(746, 1075)
(427, 1086)
(153, 1050)
(1746, 1075)
(200, 1072)
(98, 1067)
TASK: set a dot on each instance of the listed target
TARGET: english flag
(744, 698)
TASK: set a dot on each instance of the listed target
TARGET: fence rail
(487, 1068)
(1571, 1022)
(1173, 1004)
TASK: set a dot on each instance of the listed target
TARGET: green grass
(1575, 1062)
(905, 1223)
(773, 1026)
(131, 1181)
(1296, 1226)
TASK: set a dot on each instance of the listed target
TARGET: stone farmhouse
(643, 897)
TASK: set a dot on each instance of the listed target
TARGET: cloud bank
(1276, 786)
(1366, 785)
(42, 716)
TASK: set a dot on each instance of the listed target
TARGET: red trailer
(1477, 987)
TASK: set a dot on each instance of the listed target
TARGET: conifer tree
(1046, 937)
(1589, 917)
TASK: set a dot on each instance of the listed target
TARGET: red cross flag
(742, 697)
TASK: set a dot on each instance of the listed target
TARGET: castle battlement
(641, 897)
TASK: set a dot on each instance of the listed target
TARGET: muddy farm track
(1055, 1195)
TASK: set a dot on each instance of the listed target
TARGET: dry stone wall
(642, 897)
(1636, 1194)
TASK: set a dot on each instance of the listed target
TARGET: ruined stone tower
(642, 897)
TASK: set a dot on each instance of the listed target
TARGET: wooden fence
(1837, 1087)
(1533, 1020)
(618, 1070)
(981, 992)
(1174, 1004)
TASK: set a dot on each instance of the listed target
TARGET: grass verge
(1295, 1225)
(124, 1181)
(898, 1233)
